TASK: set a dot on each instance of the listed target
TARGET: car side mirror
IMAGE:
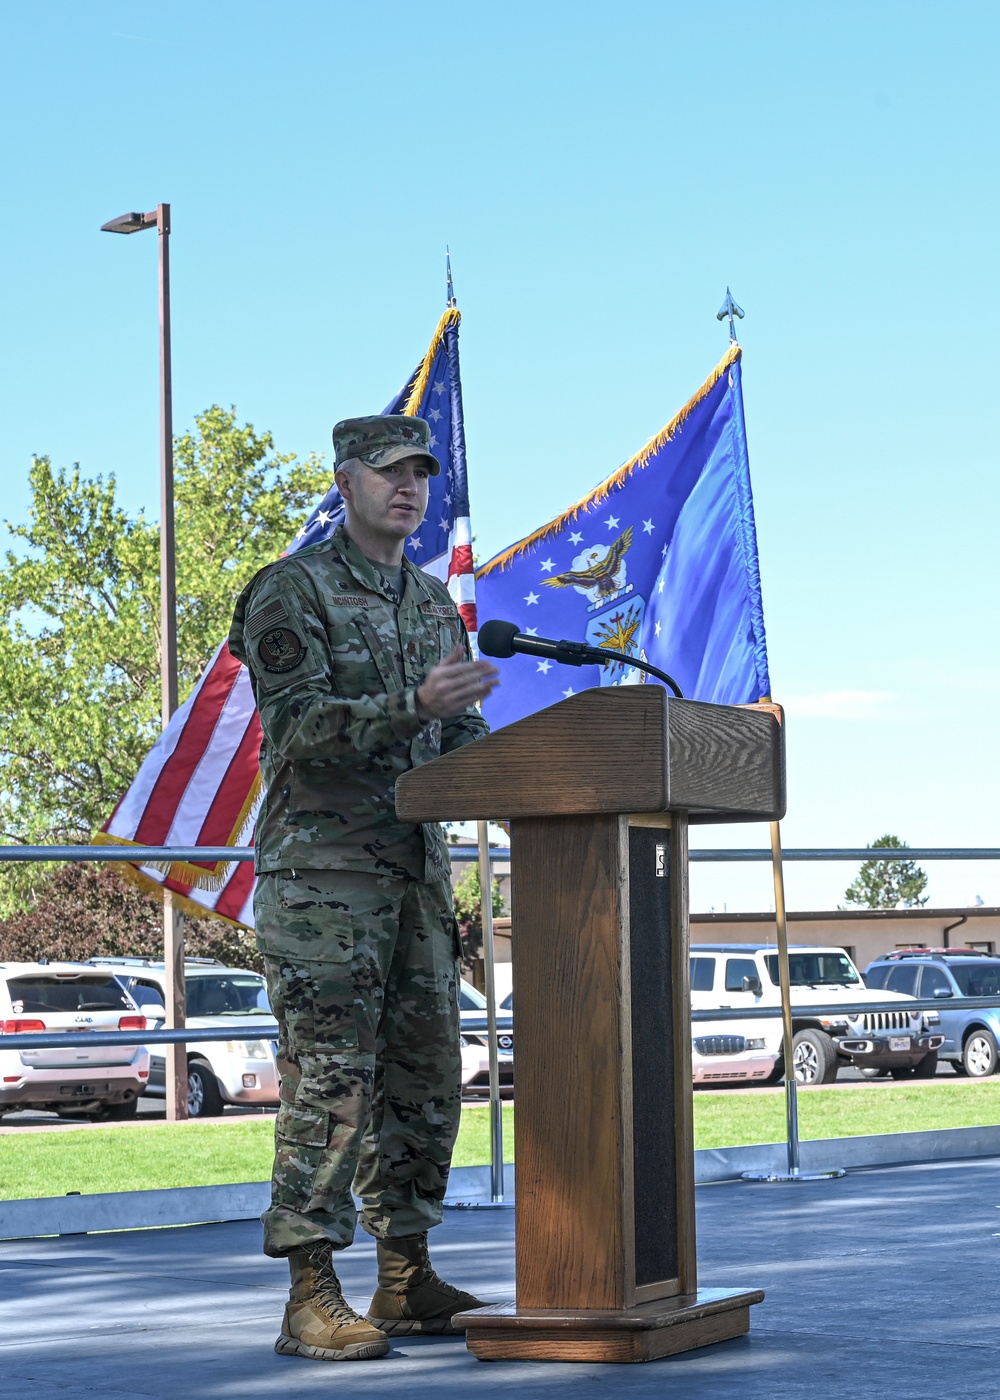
(940, 992)
(153, 1010)
(752, 984)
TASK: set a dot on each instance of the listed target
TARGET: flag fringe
(247, 817)
(181, 903)
(639, 461)
(412, 406)
(210, 878)
(202, 877)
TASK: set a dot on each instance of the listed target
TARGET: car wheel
(872, 1072)
(204, 1099)
(814, 1058)
(979, 1055)
(959, 1067)
(927, 1067)
(116, 1112)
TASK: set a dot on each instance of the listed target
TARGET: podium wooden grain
(600, 790)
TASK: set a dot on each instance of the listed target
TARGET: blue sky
(601, 174)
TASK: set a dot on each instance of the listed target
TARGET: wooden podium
(599, 791)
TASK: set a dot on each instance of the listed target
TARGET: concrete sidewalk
(884, 1285)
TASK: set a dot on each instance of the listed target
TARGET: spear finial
(451, 285)
(730, 308)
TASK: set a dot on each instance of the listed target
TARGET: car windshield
(55, 993)
(227, 994)
(471, 998)
(815, 969)
(976, 979)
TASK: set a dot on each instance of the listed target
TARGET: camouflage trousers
(362, 972)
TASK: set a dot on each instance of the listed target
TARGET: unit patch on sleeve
(280, 650)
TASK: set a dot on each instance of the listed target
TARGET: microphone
(503, 639)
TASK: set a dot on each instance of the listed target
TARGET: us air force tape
(280, 650)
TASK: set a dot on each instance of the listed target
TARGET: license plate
(899, 1042)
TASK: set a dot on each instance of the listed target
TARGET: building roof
(975, 911)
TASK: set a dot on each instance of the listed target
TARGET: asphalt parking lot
(153, 1110)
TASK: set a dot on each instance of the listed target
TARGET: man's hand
(453, 685)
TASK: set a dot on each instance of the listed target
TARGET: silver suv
(234, 1070)
(75, 1080)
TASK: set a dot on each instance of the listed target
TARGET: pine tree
(888, 884)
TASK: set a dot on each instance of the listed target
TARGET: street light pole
(173, 925)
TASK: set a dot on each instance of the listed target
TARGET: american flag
(200, 783)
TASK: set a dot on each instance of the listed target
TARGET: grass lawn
(733, 1119)
(141, 1156)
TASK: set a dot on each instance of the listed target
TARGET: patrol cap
(382, 439)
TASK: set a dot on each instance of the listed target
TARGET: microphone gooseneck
(503, 639)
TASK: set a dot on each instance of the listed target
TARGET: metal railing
(163, 855)
(213, 855)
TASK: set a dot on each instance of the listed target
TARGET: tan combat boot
(318, 1323)
(410, 1297)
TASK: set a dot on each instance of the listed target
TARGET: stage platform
(882, 1284)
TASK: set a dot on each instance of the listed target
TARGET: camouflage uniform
(353, 907)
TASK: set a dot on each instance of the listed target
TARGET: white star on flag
(568, 692)
(531, 631)
(575, 537)
(612, 522)
(324, 517)
(663, 551)
(301, 533)
(647, 527)
(531, 599)
(439, 386)
(545, 667)
(414, 543)
(659, 629)
(662, 582)
(435, 413)
(548, 565)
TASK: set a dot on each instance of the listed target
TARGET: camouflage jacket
(335, 666)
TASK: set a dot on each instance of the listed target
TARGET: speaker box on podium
(600, 791)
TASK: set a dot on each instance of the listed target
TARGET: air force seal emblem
(598, 572)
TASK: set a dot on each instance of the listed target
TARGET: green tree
(469, 911)
(79, 621)
(87, 911)
(887, 884)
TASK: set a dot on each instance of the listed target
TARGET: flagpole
(489, 955)
(728, 311)
(496, 1108)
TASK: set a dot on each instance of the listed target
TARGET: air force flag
(659, 562)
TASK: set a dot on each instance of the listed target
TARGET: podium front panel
(602, 1079)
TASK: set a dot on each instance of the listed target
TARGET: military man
(361, 669)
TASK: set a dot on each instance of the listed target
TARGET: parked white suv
(93, 1081)
(744, 974)
(475, 1044)
(236, 1070)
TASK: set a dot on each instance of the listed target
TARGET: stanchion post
(794, 1170)
(784, 976)
(496, 1110)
